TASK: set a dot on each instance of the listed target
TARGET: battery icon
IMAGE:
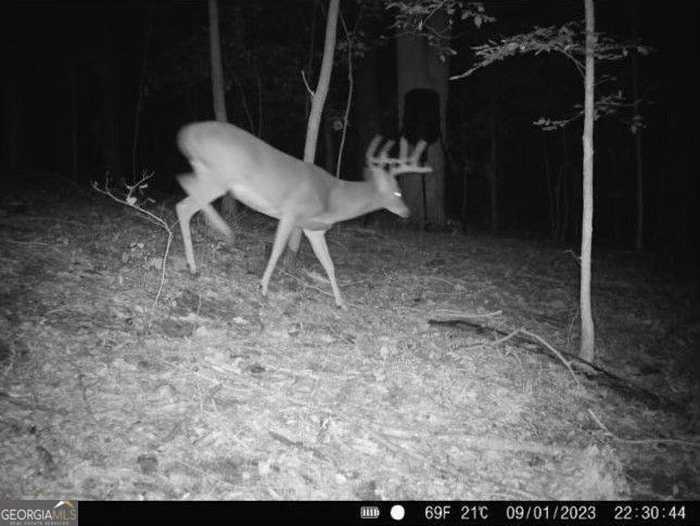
(369, 512)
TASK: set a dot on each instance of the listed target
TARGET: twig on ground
(466, 316)
(507, 336)
(692, 443)
(131, 201)
(543, 342)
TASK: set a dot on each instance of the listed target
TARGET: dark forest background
(96, 87)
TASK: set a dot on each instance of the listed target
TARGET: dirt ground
(423, 389)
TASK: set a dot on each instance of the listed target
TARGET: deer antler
(396, 165)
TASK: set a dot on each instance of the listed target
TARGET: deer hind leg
(318, 244)
(200, 195)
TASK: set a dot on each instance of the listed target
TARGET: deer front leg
(200, 193)
(289, 260)
(320, 248)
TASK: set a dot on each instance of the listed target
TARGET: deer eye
(397, 194)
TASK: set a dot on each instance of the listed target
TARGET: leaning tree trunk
(319, 96)
(317, 102)
(587, 330)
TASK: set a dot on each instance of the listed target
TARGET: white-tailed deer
(301, 195)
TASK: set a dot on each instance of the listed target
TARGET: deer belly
(255, 200)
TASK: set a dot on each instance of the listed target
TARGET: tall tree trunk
(317, 102)
(228, 203)
(319, 98)
(217, 70)
(587, 350)
(419, 66)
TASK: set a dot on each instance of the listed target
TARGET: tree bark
(587, 350)
(419, 66)
(317, 102)
(217, 71)
(319, 98)
(228, 203)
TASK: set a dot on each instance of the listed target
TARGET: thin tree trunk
(228, 203)
(317, 102)
(587, 350)
(310, 62)
(324, 80)
(217, 71)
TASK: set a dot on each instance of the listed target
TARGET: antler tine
(403, 149)
(372, 148)
(395, 165)
(420, 147)
(384, 154)
(381, 158)
(406, 163)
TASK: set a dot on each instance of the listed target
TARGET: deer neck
(350, 199)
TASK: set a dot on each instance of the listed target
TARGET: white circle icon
(397, 512)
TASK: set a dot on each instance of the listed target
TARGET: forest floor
(432, 385)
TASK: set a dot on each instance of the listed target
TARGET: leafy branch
(568, 40)
(415, 17)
